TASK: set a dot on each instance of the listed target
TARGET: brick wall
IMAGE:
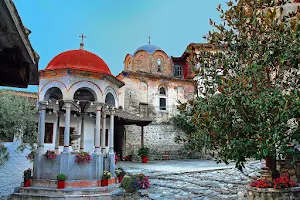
(143, 61)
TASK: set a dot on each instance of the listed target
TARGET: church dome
(148, 48)
(79, 59)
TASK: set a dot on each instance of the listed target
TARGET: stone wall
(140, 91)
(158, 137)
(285, 166)
(11, 173)
(273, 194)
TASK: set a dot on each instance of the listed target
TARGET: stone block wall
(159, 138)
(285, 166)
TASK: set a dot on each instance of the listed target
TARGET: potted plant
(143, 152)
(120, 174)
(27, 177)
(61, 180)
(130, 184)
(143, 181)
(105, 176)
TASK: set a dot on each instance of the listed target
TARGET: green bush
(143, 152)
(130, 184)
(61, 177)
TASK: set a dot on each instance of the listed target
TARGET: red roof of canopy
(79, 59)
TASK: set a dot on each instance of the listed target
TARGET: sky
(114, 28)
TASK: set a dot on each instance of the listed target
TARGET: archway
(84, 97)
(53, 93)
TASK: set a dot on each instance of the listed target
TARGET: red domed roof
(79, 59)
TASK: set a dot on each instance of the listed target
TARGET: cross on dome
(149, 40)
(82, 44)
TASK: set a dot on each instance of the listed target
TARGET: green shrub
(143, 152)
(130, 184)
(61, 177)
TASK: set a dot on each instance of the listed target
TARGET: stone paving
(190, 182)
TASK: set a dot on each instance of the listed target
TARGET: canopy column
(98, 127)
(56, 131)
(111, 142)
(41, 127)
(104, 109)
(68, 105)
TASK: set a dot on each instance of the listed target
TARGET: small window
(48, 133)
(162, 91)
(159, 65)
(162, 104)
(178, 70)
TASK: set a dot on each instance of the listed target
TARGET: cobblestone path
(214, 184)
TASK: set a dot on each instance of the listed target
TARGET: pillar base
(66, 149)
(98, 159)
(36, 165)
(112, 165)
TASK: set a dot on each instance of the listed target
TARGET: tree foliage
(252, 105)
(16, 120)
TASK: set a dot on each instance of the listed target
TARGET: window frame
(159, 65)
(51, 131)
(178, 68)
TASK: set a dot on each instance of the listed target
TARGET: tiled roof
(148, 48)
(32, 96)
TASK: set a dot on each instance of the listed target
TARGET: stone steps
(28, 196)
(67, 191)
(90, 193)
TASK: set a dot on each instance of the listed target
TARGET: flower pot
(144, 159)
(120, 178)
(104, 182)
(129, 190)
(61, 184)
(27, 182)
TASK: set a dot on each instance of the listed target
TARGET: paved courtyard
(193, 179)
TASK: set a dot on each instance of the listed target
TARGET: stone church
(155, 84)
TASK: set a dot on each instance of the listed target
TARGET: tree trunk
(271, 164)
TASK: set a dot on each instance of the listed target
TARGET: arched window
(162, 99)
(110, 100)
(162, 91)
(159, 65)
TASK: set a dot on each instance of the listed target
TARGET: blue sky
(114, 27)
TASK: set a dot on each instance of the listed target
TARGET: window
(178, 70)
(159, 65)
(61, 135)
(143, 110)
(48, 133)
(162, 104)
(162, 91)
